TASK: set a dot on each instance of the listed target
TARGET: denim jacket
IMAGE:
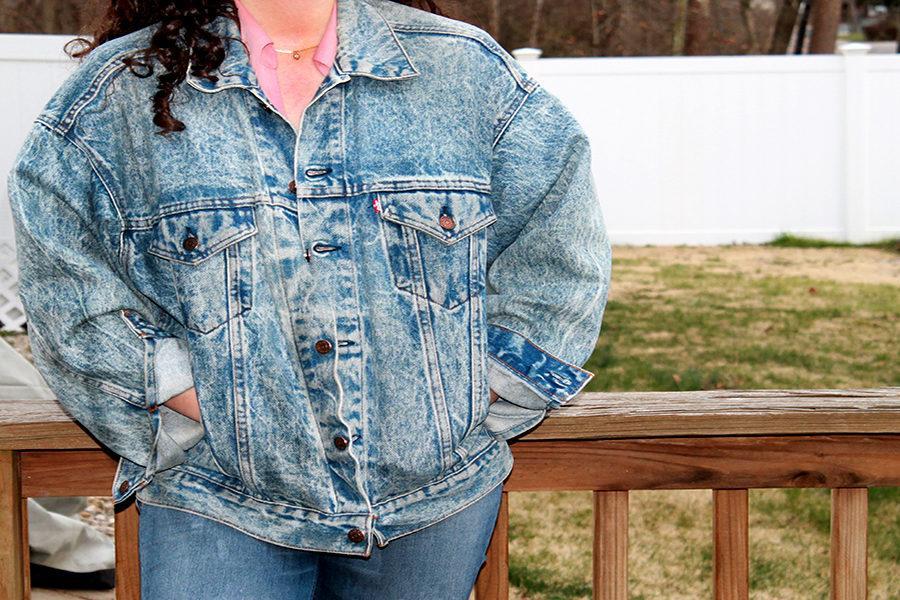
(342, 299)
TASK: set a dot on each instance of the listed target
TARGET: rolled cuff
(526, 375)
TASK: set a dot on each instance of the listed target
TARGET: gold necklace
(295, 54)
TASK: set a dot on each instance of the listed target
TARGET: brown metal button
(123, 487)
(126, 312)
(341, 442)
(292, 187)
(356, 535)
(190, 242)
(153, 408)
(323, 346)
(447, 221)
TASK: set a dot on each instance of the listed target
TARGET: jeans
(184, 555)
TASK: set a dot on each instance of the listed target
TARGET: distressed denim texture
(433, 231)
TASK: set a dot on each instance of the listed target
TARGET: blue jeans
(184, 555)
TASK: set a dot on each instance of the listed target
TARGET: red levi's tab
(376, 205)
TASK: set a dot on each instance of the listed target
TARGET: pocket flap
(193, 236)
(448, 215)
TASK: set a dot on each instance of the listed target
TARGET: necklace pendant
(296, 55)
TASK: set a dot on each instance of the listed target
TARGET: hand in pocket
(186, 403)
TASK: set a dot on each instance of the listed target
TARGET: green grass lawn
(687, 318)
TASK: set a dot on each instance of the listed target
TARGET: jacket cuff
(526, 375)
(173, 368)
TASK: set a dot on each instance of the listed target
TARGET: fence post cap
(527, 53)
(854, 48)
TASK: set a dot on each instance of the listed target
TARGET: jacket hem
(304, 529)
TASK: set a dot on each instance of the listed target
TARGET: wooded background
(597, 27)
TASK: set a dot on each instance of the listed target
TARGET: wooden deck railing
(724, 441)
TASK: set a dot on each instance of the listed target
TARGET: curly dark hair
(180, 38)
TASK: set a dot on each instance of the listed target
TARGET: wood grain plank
(67, 473)
(610, 560)
(128, 566)
(849, 540)
(493, 579)
(731, 555)
(707, 463)
(43, 424)
(12, 525)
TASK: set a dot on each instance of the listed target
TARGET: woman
(306, 266)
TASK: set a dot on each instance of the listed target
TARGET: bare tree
(679, 31)
(826, 16)
(784, 26)
(495, 19)
(749, 26)
(605, 19)
(535, 23)
(698, 28)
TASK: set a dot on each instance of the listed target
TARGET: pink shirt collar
(264, 60)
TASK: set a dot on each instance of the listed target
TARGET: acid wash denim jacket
(342, 299)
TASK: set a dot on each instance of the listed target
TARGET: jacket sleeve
(94, 339)
(549, 263)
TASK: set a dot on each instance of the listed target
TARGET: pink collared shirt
(264, 59)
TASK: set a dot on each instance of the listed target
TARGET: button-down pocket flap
(448, 215)
(193, 236)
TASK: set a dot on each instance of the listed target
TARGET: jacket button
(447, 222)
(323, 346)
(356, 535)
(341, 442)
(292, 187)
(153, 408)
(123, 487)
(190, 242)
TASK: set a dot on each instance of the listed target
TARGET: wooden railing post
(493, 580)
(610, 565)
(849, 540)
(128, 567)
(13, 530)
(731, 556)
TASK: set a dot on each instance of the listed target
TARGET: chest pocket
(209, 253)
(436, 242)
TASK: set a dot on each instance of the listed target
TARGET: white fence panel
(686, 150)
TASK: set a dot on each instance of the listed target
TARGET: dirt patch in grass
(841, 265)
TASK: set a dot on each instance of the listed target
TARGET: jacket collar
(367, 46)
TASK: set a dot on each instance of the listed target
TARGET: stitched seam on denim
(130, 396)
(149, 222)
(178, 471)
(525, 82)
(396, 39)
(460, 468)
(528, 341)
(241, 529)
(512, 114)
(97, 84)
(220, 245)
(526, 379)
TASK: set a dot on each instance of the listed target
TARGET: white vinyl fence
(686, 150)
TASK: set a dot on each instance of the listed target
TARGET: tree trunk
(535, 23)
(699, 25)
(680, 28)
(784, 26)
(749, 26)
(801, 28)
(495, 19)
(826, 16)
